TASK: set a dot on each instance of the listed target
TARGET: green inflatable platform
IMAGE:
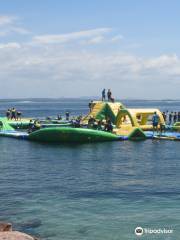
(66, 135)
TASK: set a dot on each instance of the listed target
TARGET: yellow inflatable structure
(103, 110)
(128, 119)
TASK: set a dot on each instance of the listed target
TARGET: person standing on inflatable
(67, 116)
(104, 94)
(90, 106)
(109, 95)
(8, 114)
(155, 121)
(13, 113)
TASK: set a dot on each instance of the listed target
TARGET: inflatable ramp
(7, 131)
(4, 125)
(103, 110)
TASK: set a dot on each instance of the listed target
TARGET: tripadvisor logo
(139, 231)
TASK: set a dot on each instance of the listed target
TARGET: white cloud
(92, 36)
(117, 38)
(94, 40)
(5, 19)
(10, 25)
(9, 45)
(63, 38)
(59, 71)
(162, 61)
(77, 69)
(19, 30)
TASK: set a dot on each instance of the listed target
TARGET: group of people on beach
(171, 117)
(13, 114)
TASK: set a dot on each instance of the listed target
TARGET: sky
(75, 48)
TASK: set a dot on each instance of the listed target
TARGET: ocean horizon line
(86, 98)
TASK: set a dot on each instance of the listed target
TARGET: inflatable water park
(106, 121)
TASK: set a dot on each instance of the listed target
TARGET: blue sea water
(99, 191)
